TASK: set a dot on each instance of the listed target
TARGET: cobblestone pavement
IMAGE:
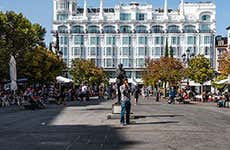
(83, 126)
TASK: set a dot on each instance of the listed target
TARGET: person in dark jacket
(136, 94)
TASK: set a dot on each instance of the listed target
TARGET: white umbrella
(61, 79)
(225, 81)
(13, 74)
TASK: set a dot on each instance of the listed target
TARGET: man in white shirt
(125, 102)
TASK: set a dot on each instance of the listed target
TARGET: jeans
(125, 107)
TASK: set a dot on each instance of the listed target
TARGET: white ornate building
(130, 33)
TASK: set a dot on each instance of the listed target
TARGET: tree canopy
(85, 71)
(199, 69)
(42, 65)
(166, 69)
(17, 36)
(225, 64)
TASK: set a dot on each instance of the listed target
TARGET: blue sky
(41, 11)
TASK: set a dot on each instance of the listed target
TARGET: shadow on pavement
(77, 137)
(33, 130)
(97, 109)
(155, 116)
(161, 122)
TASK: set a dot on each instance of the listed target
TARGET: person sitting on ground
(125, 102)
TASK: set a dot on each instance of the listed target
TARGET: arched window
(109, 29)
(125, 29)
(93, 29)
(173, 29)
(189, 29)
(205, 18)
(141, 29)
(63, 29)
(157, 29)
(77, 29)
(205, 28)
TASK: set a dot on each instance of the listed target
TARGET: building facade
(228, 29)
(221, 45)
(131, 33)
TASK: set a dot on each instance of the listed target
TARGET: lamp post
(186, 58)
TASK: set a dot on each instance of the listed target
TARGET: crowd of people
(38, 97)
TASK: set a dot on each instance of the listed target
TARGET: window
(174, 40)
(108, 51)
(94, 40)
(61, 5)
(191, 40)
(109, 29)
(142, 40)
(189, 29)
(111, 74)
(141, 29)
(109, 62)
(125, 51)
(138, 75)
(178, 40)
(78, 39)
(207, 40)
(159, 40)
(92, 51)
(140, 16)
(157, 51)
(62, 29)
(205, 28)
(125, 62)
(77, 51)
(128, 74)
(140, 62)
(110, 40)
(64, 51)
(173, 29)
(93, 29)
(205, 18)
(77, 29)
(126, 40)
(62, 17)
(206, 51)
(141, 51)
(157, 29)
(125, 16)
(63, 40)
(125, 29)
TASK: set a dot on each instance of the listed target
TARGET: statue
(120, 76)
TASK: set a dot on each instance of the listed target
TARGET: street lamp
(186, 58)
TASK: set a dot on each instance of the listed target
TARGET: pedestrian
(125, 102)
(136, 94)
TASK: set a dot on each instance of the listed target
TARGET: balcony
(189, 31)
(173, 31)
(205, 31)
(63, 31)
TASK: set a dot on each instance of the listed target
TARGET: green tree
(200, 70)
(171, 52)
(166, 48)
(218, 78)
(86, 71)
(18, 35)
(42, 65)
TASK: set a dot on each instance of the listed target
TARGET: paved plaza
(83, 126)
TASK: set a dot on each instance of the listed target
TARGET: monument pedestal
(116, 111)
